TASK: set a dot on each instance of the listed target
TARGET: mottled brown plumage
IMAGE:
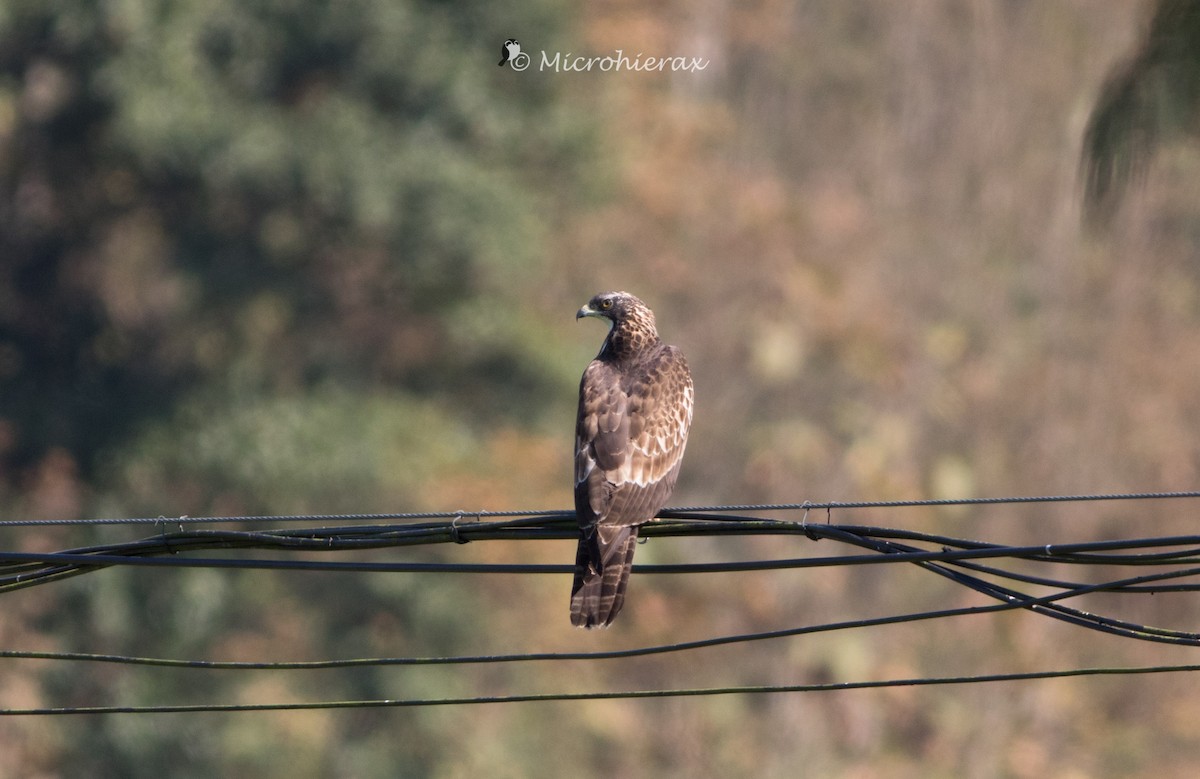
(635, 409)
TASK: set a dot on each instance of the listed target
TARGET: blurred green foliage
(324, 451)
(247, 251)
(250, 198)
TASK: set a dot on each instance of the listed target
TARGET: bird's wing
(630, 438)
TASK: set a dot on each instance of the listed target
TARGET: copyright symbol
(520, 62)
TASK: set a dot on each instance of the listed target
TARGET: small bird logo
(509, 51)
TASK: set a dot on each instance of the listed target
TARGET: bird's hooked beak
(600, 313)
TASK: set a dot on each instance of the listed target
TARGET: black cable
(666, 513)
(592, 696)
(974, 564)
(1008, 605)
(1010, 600)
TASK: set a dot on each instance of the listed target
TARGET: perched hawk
(635, 408)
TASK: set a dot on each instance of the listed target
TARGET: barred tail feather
(601, 575)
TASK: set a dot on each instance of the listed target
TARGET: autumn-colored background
(278, 257)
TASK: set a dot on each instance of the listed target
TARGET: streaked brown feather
(635, 409)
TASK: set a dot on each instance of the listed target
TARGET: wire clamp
(455, 536)
(162, 533)
(808, 531)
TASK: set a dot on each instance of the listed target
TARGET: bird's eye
(606, 304)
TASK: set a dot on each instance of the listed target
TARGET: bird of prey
(635, 409)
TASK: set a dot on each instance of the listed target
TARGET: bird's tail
(602, 567)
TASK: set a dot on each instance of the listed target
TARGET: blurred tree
(267, 256)
(237, 199)
(1152, 98)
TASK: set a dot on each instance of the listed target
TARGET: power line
(873, 504)
(948, 561)
(666, 513)
(1167, 564)
(609, 695)
(25, 569)
(1009, 605)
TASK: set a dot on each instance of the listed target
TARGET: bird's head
(614, 306)
(631, 318)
